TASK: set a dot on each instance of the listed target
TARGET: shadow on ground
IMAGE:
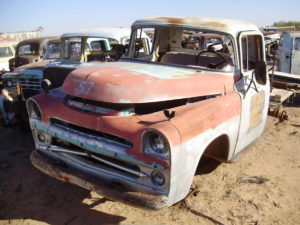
(26, 193)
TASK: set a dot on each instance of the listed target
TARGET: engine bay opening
(127, 109)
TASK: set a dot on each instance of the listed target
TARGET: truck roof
(105, 32)
(293, 33)
(214, 24)
(36, 40)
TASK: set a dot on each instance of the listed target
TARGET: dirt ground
(262, 188)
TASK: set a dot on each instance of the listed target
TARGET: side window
(52, 50)
(251, 51)
(297, 44)
(72, 48)
(28, 49)
(143, 42)
(5, 52)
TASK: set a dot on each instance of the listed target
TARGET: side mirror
(46, 85)
(260, 72)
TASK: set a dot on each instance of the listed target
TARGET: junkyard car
(22, 83)
(7, 52)
(29, 51)
(135, 130)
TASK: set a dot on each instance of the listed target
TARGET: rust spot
(175, 20)
(198, 21)
(171, 20)
(66, 179)
(213, 24)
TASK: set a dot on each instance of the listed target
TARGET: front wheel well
(215, 153)
(218, 149)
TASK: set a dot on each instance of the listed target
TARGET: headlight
(42, 138)
(156, 144)
(33, 110)
(8, 83)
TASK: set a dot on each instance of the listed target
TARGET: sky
(62, 16)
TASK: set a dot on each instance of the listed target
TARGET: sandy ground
(262, 188)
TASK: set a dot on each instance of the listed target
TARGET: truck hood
(28, 71)
(131, 82)
(36, 65)
(31, 72)
(64, 63)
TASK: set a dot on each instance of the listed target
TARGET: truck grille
(112, 147)
(29, 84)
(92, 133)
(121, 166)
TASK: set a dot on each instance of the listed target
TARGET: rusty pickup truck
(135, 130)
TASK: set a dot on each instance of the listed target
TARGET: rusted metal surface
(277, 98)
(220, 24)
(104, 188)
(112, 82)
(277, 110)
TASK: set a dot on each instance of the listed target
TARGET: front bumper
(59, 170)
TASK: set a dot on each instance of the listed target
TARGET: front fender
(199, 124)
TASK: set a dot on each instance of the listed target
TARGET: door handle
(287, 57)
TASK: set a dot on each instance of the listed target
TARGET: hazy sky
(60, 16)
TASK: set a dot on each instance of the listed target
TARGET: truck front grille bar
(54, 148)
(29, 84)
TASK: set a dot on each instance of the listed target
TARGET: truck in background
(288, 53)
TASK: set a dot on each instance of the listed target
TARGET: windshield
(52, 50)
(29, 49)
(72, 48)
(5, 52)
(184, 47)
(92, 49)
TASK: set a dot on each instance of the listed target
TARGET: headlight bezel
(152, 142)
(33, 109)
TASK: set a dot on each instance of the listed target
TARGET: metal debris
(253, 179)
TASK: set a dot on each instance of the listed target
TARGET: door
(295, 62)
(284, 53)
(253, 89)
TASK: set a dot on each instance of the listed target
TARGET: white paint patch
(124, 101)
(193, 149)
(84, 87)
